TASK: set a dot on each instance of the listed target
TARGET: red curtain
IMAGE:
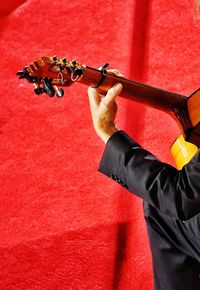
(63, 224)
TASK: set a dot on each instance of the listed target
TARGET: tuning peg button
(38, 90)
(48, 87)
(80, 72)
(59, 92)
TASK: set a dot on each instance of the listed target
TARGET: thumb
(112, 93)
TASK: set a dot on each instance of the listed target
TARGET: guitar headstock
(49, 74)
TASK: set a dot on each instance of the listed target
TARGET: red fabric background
(63, 225)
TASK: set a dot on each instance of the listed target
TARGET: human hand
(103, 110)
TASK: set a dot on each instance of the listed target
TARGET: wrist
(105, 135)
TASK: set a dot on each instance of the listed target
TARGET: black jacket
(174, 193)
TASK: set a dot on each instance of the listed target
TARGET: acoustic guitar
(50, 74)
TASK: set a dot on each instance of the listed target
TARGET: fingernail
(117, 86)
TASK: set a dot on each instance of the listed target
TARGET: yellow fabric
(182, 151)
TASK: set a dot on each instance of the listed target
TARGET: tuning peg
(38, 90)
(48, 87)
(80, 72)
(21, 74)
(70, 69)
(59, 92)
(24, 74)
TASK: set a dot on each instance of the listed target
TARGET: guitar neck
(172, 103)
(135, 91)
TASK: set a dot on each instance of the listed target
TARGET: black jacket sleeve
(174, 193)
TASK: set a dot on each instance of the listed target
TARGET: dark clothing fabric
(175, 254)
(175, 193)
(171, 208)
